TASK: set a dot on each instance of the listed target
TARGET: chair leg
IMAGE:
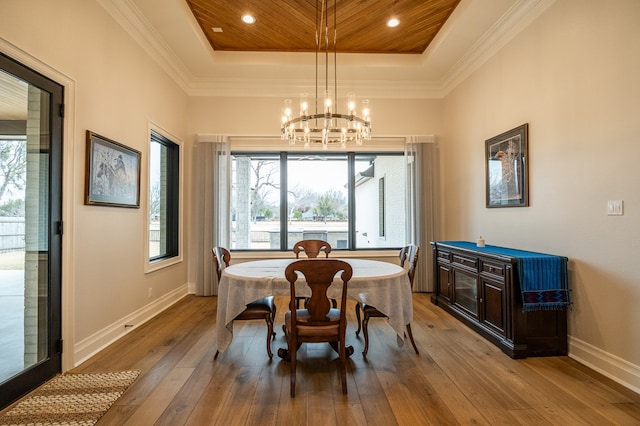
(284, 353)
(273, 321)
(358, 318)
(293, 354)
(269, 335)
(413, 343)
(365, 331)
(343, 365)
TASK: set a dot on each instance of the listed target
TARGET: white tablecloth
(381, 284)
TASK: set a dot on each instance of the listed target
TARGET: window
(280, 198)
(255, 201)
(164, 200)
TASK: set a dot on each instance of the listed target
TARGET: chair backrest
(311, 248)
(319, 275)
(410, 253)
(220, 256)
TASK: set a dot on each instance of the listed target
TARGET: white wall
(115, 89)
(573, 75)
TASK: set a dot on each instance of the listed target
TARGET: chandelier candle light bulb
(352, 103)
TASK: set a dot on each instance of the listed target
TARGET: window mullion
(284, 207)
(351, 197)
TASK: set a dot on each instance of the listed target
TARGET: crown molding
(518, 17)
(125, 13)
(375, 89)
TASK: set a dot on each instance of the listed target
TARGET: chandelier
(326, 125)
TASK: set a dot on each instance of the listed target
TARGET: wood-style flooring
(458, 378)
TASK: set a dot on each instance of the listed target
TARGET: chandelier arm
(311, 117)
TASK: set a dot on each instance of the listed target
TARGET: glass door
(466, 291)
(30, 229)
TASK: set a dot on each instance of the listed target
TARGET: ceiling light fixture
(326, 126)
(393, 22)
(248, 19)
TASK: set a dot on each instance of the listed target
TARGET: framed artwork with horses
(506, 160)
(112, 173)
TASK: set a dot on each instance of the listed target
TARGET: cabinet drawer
(469, 262)
(493, 269)
(444, 255)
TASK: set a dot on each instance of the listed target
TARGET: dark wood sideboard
(482, 290)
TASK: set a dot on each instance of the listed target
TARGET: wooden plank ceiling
(290, 25)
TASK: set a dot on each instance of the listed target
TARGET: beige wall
(114, 89)
(573, 75)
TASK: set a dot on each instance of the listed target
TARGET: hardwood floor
(458, 378)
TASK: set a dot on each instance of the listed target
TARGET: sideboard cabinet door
(493, 306)
(444, 277)
(465, 292)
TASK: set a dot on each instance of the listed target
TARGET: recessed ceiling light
(248, 19)
(393, 22)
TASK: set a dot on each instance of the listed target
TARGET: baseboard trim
(617, 369)
(86, 348)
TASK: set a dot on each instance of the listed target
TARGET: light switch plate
(614, 208)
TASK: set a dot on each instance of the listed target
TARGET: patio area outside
(11, 313)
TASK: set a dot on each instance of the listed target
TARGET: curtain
(419, 152)
(210, 208)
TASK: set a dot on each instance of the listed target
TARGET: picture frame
(506, 165)
(112, 175)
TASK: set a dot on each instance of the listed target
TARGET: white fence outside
(11, 234)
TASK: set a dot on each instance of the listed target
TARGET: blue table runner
(544, 281)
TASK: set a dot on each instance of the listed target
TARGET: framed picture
(506, 168)
(112, 173)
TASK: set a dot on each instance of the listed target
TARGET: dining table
(381, 284)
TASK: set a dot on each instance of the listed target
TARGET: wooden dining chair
(312, 249)
(411, 253)
(261, 309)
(318, 322)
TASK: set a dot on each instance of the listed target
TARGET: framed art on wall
(112, 173)
(506, 157)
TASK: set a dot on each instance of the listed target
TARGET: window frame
(175, 217)
(351, 157)
(382, 205)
